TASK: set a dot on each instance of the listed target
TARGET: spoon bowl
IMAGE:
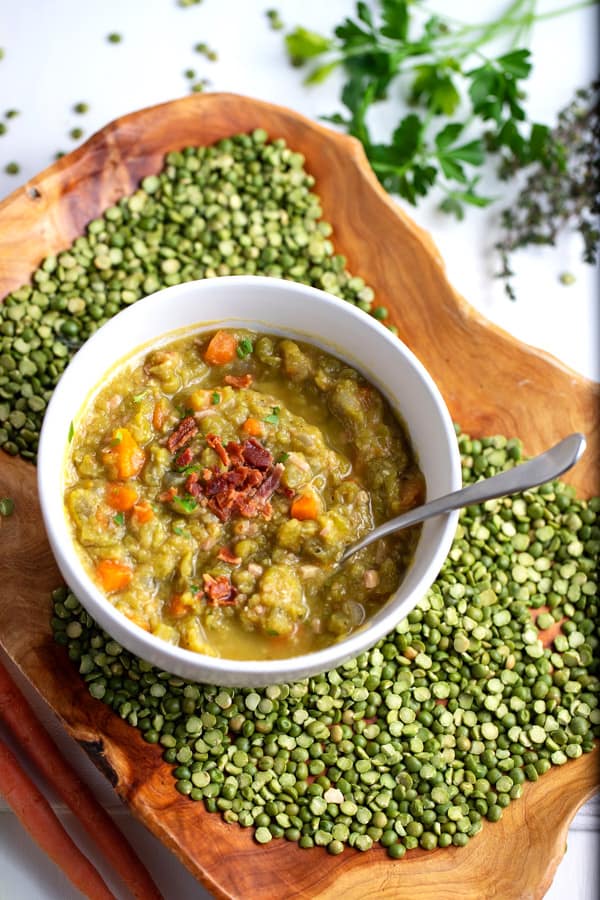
(545, 467)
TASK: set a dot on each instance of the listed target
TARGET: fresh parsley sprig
(464, 105)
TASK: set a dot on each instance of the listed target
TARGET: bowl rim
(155, 650)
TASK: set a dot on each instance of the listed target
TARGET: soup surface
(212, 485)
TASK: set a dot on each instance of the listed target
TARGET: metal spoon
(542, 468)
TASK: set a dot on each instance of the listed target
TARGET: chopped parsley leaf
(273, 418)
(283, 457)
(216, 398)
(244, 348)
(137, 398)
(119, 519)
(185, 504)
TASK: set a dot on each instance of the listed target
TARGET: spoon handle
(542, 468)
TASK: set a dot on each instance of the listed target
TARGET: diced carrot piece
(221, 348)
(143, 512)
(177, 606)
(252, 427)
(124, 458)
(159, 416)
(306, 506)
(113, 575)
(199, 400)
(121, 496)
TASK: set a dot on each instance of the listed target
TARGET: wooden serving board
(492, 384)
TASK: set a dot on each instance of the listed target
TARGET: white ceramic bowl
(280, 307)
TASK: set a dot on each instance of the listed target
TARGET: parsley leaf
(119, 519)
(303, 44)
(215, 398)
(244, 348)
(185, 504)
(187, 470)
(273, 417)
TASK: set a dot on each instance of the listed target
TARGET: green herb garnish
(137, 398)
(185, 504)
(273, 417)
(119, 519)
(186, 470)
(559, 194)
(283, 457)
(462, 103)
(216, 398)
(244, 348)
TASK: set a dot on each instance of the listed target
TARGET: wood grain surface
(492, 384)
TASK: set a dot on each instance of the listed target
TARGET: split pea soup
(212, 484)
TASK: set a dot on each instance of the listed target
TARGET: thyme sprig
(562, 193)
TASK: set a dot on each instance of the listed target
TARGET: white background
(56, 55)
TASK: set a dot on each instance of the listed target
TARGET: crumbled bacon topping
(185, 458)
(219, 591)
(244, 487)
(228, 556)
(215, 442)
(256, 455)
(185, 431)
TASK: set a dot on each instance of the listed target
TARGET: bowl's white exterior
(275, 306)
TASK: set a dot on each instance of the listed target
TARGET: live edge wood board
(491, 383)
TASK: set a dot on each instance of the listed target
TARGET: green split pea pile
(419, 740)
(241, 207)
